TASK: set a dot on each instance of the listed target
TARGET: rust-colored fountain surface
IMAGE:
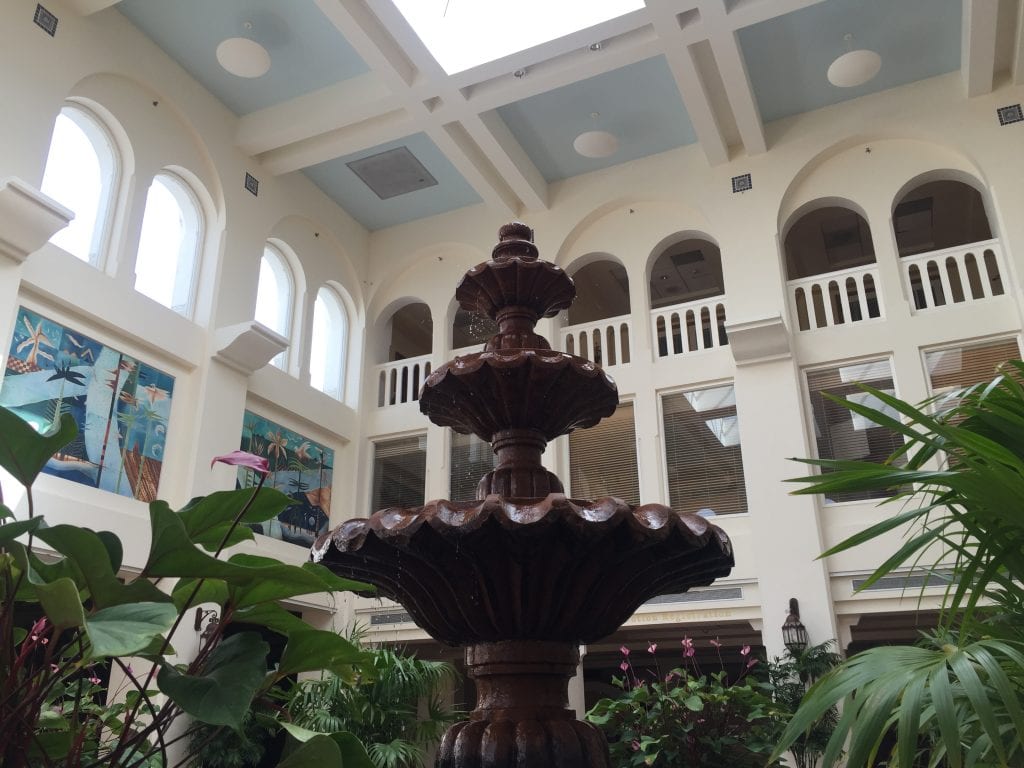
(523, 575)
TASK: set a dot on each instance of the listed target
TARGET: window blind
(602, 459)
(703, 460)
(399, 473)
(959, 367)
(842, 434)
(471, 459)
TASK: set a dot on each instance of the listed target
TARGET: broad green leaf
(319, 750)
(272, 616)
(172, 553)
(336, 583)
(277, 581)
(90, 557)
(115, 551)
(5, 512)
(318, 649)
(350, 752)
(122, 630)
(222, 692)
(23, 451)
(11, 531)
(208, 518)
(210, 591)
(62, 603)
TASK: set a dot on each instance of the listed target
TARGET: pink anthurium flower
(242, 459)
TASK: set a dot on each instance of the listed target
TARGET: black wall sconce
(794, 633)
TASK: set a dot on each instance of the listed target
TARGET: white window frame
(335, 343)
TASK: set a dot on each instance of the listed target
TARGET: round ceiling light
(596, 144)
(243, 57)
(854, 68)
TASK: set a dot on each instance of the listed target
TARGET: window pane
(74, 178)
(602, 460)
(959, 367)
(274, 298)
(399, 473)
(327, 351)
(168, 247)
(471, 459)
(842, 434)
(702, 452)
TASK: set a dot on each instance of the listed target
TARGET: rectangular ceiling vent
(907, 581)
(1010, 114)
(689, 257)
(252, 184)
(45, 20)
(392, 173)
(742, 183)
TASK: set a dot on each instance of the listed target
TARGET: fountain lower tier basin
(528, 389)
(547, 569)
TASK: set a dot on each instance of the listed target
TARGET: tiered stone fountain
(523, 575)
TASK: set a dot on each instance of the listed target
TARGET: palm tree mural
(64, 374)
(36, 339)
(277, 446)
(128, 420)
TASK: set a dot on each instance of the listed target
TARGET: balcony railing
(689, 327)
(961, 275)
(606, 342)
(399, 382)
(835, 298)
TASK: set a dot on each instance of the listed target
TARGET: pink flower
(624, 666)
(652, 647)
(44, 641)
(94, 680)
(751, 662)
(636, 745)
(54, 668)
(624, 651)
(669, 677)
(687, 642)
(689, 651)
(745, 650)
(242, 459)
(716, 644)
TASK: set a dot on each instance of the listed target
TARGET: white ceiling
(350, 77)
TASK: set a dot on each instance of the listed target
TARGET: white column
(577, 702)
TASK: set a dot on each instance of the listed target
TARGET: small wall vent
(742, 183)
(390, 617)
(1010, 114)
(252, 184)
(46, 21)
(392, 173)
(907, 582)
(699, 596)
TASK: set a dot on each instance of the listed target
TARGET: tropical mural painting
(121, 405)
(299, 468)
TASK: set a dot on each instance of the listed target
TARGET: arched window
(81, 174)
(275, 297)
(828, 240)
(471, 328)
(938, 215)
(329, 344)
(172, 234)
(686, 271)
(412, 332)
(602, 291)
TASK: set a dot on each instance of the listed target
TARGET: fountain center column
(522, 679)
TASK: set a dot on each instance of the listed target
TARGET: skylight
(462, 34)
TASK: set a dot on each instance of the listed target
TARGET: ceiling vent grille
(907, 582)
(1010, 114)
(392, 173)
(45, 20)
(252, 184)
(742, 183)
(391, 617)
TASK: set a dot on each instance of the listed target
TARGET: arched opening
(471, 329)
(686, 271)
(602, 293)
(172, 234)
(411, 332)
(275, 296)
(329, 343)
(827, 240)
(82, 170)
(937, 225)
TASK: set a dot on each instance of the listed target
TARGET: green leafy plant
(53, 709)
(687, 719)
(381, 706)
(790, 677)
(956, 699)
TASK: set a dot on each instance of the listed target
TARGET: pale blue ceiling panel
(788, 57)
(639, 104)
(306, 51)
(348, 190)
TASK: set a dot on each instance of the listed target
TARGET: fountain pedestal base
(522, 716)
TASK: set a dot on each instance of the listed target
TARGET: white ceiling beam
(1017, 65)
(740, 93)
(978, 45)
(364, 32)
(698, 104)
(508, 158)
(468, 160)
(743, 13)
(89, 7)
(337, 106)
(328, 146)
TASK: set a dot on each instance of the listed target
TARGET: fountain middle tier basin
(551, 569)
(542, 390)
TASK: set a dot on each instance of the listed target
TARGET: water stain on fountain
(523, 575)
